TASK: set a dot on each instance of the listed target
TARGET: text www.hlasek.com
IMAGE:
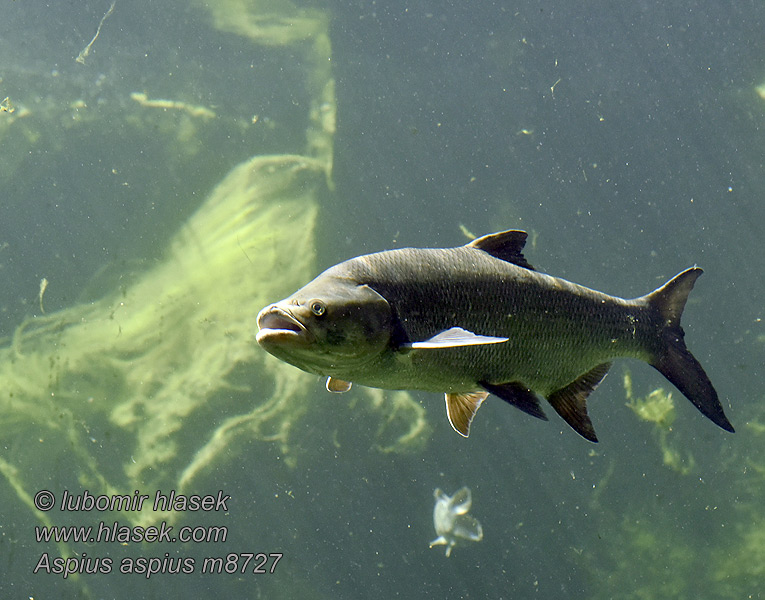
(123, 534)
(146, 566)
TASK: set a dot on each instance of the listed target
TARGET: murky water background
(626, 139)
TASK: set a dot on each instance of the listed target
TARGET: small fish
(477, 320)
(451, 521)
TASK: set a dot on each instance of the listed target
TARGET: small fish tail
(674, 360)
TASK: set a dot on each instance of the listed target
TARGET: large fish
(478, 319)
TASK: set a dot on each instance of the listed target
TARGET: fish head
(329, 327)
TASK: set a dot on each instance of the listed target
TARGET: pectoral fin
(570, 402)
(337, 386)
(454, 337)
(461, 408)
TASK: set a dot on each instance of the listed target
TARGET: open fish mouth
(276, 323)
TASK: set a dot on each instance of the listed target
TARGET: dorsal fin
(505, 245)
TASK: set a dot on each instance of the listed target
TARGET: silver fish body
(478, 319)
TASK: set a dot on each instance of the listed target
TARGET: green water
(626, 139)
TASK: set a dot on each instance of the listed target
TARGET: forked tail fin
(675, 361)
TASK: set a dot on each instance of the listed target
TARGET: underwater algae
(155, 382)
(738, 567)
(658, 408)
(158, 382)
(133, 368)
(708, 543)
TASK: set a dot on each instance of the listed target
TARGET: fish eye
(318, 308)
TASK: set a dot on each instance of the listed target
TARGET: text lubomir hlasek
(87, 502)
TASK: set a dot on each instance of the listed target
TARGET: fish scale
(556, 330)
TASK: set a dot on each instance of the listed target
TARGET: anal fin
(570, 402)
(461, 408)
(518, 395)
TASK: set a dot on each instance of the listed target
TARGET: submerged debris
(6, 106)
(451, 521)
(86, 50)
